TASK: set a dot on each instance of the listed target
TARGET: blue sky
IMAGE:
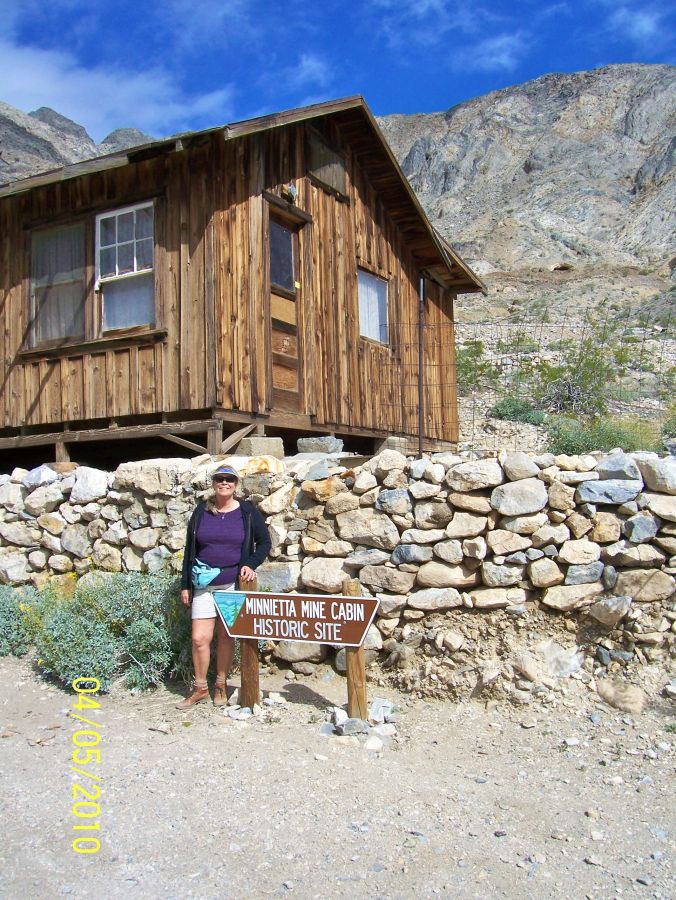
(174, 65)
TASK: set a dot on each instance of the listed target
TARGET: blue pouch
(202, 574)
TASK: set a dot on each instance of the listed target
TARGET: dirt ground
(467, 801)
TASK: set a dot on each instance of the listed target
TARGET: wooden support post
(250, 690)
(61, 453)
(215, 437)
(357, 707)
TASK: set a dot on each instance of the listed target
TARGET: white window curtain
(373, 307)
(57, 283)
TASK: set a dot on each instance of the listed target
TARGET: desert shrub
(669, 424)
(110, 625)
(73, 643)
(517, 344)
(473, 369)
(148, 647)
(14, 637)
(574, 435)
(514, 409)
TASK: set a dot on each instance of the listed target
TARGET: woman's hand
(185, 597)
(247, 574)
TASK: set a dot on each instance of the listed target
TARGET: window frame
(386, 281)
(293, 226)
(94, 337)
(101, 280)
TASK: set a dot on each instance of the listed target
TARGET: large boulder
(321, 491)
(20, 534)
(386, 462)
(435, 599)
(466, 524)
(619, 467)
(584, 574)
(431, 514)
(622, 553)
(645, 585)
(394, 502)
(475, 475)
(544, 573)
(500, 576)
(366, 526)
(299, 651)
(438, 574)
(502, 542)
(90, 484)
(497, 598)
(520, 498)
(385, 578)
(566, 598)
(413, 553)
(38, 477)
(662, 505)
(152, 476)
(13, 568)
(278, 577)
(518, 465)
(325, 574)
(579, 553)
(610, 610)
(75, 539)
(612, 491)
(524, 524)
(659, 474)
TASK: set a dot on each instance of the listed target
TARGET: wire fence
(516, 377)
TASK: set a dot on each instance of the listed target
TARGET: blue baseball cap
(225, 470)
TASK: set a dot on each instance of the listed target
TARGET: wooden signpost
(251, 616)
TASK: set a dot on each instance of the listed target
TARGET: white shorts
(203, 606)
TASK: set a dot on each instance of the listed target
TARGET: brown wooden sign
(325, 619)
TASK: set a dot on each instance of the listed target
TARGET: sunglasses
(224, 479)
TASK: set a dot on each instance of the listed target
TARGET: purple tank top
(220, 537)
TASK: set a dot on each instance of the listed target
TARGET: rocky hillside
(568, 173)
(560, 192)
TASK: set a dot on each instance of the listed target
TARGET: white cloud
(638, 25)
(308, 72)
(503, 53)
(426, 22)
(104, 97)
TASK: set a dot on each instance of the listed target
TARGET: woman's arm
(261, 539)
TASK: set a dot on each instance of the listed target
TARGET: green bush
(110, 625)
(573, 435)
(513, 409)
(669, 424)
(72, 644)
(473, 370)
(14, 637)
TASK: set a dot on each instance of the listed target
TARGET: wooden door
(284, 314)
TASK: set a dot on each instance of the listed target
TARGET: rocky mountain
(553, 188)
(44, 139)
(560, 192)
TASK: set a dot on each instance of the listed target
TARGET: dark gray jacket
(255, 548)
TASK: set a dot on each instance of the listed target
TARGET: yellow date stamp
(86, 757)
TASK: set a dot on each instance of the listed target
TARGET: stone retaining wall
(430, 537)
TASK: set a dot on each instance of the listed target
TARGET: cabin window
(58, 289)
(373, 320)
(282, 255)
(124, 266)
(327, 165)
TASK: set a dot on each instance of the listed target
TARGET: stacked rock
(593, 533)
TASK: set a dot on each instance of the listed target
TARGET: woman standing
(229, 536)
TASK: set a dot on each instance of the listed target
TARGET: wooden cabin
(268, 274)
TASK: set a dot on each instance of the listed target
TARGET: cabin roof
(434, 254)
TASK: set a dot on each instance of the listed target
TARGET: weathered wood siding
(347, 381)
(213, 298)
(141, 377)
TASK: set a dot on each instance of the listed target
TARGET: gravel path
(467, 801)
